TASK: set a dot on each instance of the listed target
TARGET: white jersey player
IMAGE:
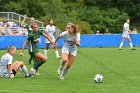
(9, 69)
(125, 35)
(69, 49)
(50, 30)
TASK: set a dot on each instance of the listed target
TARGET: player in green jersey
(30, 30)
(33, 39)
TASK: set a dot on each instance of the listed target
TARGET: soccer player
(69, 49)
(125, 35)
(33, 39)
(9, 69)
(30, 30)
(50, 29)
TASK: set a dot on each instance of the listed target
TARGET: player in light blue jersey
(69, 49)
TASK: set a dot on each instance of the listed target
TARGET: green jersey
(29, 28)
(33, 40)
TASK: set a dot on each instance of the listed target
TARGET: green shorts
(33, 53)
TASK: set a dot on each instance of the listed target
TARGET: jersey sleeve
(40, 32)
(78, 36)
(63, 34)
(126, 27)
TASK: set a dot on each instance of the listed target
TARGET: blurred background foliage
(107, 16)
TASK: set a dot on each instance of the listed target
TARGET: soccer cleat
(59, 71)
(30, 75)
(37, 73)
(120, 49)
(58, 57)
(33, 71)
(133, 49)
(61, 77)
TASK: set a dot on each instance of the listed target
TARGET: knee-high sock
(57, 54)
(62, 64)
(31, 57)
(45, 52)
(121, 45)
(24, 70)
(64, 72)
(38, 64)
(131, 45)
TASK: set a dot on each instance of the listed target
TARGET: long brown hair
(76, 27)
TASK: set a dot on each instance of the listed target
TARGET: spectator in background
(9, 30)
(3, 29)
(134, 31)
(125, 35)
(5, 22)
(0, 33)
(15, 29)
(0, 28)
(97, 32)
(24, 31)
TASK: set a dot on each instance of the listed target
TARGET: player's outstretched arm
(54, 44)
(23, 20)
(46, 36)
(57, 38)
(22, 50)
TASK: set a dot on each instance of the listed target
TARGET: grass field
(120, 68)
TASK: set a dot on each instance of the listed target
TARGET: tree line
(91, 15)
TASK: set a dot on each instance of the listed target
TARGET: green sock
(34, 60)
(31, 57)
(38, 64)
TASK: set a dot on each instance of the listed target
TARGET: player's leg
(121, 44)
(71, 57)
(130, 43)
(63, 61)
(30, 59)
(20, 66)
(68, 65)
(41, 59)
(47, 47)
(56, 52)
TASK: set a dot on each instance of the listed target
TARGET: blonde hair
(76, 28)
(32, 25)
(10, 48)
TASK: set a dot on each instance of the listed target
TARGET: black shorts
(13, 72)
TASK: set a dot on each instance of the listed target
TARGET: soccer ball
(98, 78)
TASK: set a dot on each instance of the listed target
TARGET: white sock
(57, 54)
(121, 45)
(25, 71)
(45, 52)
(21, 71)
(131, 46)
